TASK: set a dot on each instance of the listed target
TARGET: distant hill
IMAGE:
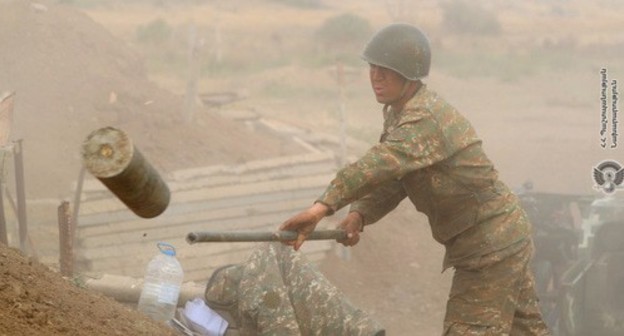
(71, 76)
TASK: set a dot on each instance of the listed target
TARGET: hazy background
(527, 74)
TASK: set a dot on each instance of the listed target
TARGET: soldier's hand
(304, 223)
(352, 225)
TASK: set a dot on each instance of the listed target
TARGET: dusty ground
(540, 124)
(35, 300)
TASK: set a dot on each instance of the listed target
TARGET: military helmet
(402, 48)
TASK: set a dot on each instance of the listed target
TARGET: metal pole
(21, 194)
(254, 236)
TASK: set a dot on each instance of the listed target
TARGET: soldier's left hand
(352, 225)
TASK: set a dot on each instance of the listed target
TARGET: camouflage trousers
(495, 295)
(278, 292)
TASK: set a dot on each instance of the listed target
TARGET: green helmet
(402, 48)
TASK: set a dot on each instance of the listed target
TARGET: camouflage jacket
(431, 154)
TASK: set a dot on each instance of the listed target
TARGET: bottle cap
(167, 249)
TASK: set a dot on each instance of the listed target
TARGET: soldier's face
(387, 84)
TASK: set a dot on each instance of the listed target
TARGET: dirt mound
(36, 300)
(71, 76)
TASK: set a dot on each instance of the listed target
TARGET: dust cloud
(527, 75)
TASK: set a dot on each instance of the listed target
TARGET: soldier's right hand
(304, 223)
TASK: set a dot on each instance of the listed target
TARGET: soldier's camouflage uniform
(431, 154)
(276, 292)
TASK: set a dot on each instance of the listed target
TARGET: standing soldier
(430, 154)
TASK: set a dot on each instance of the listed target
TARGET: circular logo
(608, 176)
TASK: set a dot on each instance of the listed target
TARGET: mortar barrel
(109, 155)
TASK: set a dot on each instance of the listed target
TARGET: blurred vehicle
(591, 298)
(602, 210)
(578, 264)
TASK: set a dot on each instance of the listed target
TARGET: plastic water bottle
(161, 287)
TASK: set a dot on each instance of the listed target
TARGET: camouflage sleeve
(411, 146)
(380, 202)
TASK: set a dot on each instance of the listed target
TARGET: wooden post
(343, 114)
(66, 239)
(7, 101)
(6, 122)
(109, 155)
(4, 236)
(344, 252)
(3, 230)
(218, 42)
(77, 197)
(20, 194)
(191, 84)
